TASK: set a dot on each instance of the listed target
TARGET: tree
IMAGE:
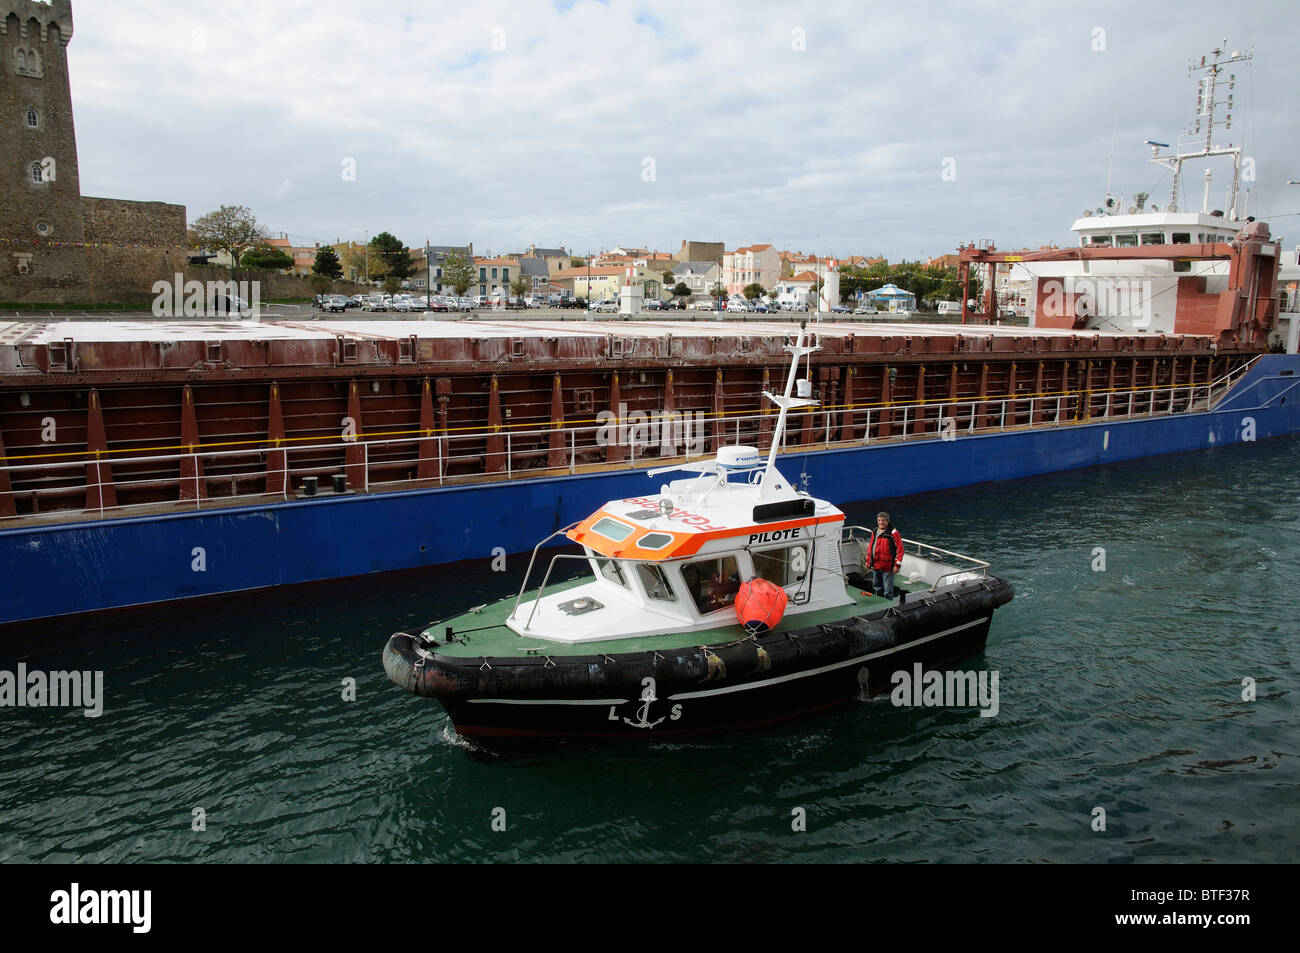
(393, 254)
(753, 292)
(718, 292)
(232, 228)
(458, 272)
(519, 286)
(392, 284)
(577, 262)
(320, 283)
(681, 290)
(265, 257)
(327, 263)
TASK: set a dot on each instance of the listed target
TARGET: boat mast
(785, 402)
(1206, 101)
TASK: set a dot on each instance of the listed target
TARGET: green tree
(719, 292)
(753, 292)
(320, 283)
(681, 290)
(392, 284)
(578, 262)
(396, 259)
(519, 286)
(458, 272)
(265, 257)
(232, 228)
(327, 263)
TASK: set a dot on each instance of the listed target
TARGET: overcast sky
(822, 127)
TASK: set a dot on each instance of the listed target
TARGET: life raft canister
(760, 605)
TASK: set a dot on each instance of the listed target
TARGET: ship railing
(523, 586)
(1219, 389)
(929, 563)
(251, 471)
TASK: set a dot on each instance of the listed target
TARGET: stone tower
(41, 223)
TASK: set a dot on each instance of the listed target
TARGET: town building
(753, 264)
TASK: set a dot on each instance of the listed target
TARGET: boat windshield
(712, 583)
(610, 569)
(655, 582)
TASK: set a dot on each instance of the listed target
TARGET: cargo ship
(163, 460)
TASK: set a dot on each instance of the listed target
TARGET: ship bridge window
(1182, 238)
(1103, 240)
(654, 540)
(655, 582)
(712, 583)
(612, 529)
(783, 567)
(611, 570)
(1126, 241)
(1153, 238)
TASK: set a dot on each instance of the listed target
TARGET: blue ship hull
(88, 566)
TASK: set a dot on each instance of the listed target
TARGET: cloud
(825, 126)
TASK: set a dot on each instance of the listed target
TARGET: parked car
(358, 301)
(374, 303)
(839, 309)
(231, 305)
(335, 303)
(609, 305)
(737, 304)
(865, 309)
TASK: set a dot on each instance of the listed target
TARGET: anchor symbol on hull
(647, 699)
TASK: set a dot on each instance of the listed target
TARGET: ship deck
(482, 633)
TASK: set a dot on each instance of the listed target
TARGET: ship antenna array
(1206, 101)
(786, 401)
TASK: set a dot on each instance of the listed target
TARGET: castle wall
(141, 223)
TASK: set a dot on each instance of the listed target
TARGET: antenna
(1206, 101)
(1111, 158)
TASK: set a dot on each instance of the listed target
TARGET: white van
(949, 307)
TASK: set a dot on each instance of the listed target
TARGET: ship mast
(771, 475)
(1206, 101)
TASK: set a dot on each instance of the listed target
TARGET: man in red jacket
(884, 556)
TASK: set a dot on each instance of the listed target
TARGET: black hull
(699, 690)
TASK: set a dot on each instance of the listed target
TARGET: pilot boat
(725, 601)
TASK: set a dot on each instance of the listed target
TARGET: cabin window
(655, 583)
(1126, 241)
(783, 567)
(1153, 238)
(612, 529)
(654, 540)
(611, 570)
(1182, 238)
(712, 583)
(1101, 240)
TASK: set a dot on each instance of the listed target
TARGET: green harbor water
(1126, 688)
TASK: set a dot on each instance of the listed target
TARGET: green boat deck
(485, 634)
